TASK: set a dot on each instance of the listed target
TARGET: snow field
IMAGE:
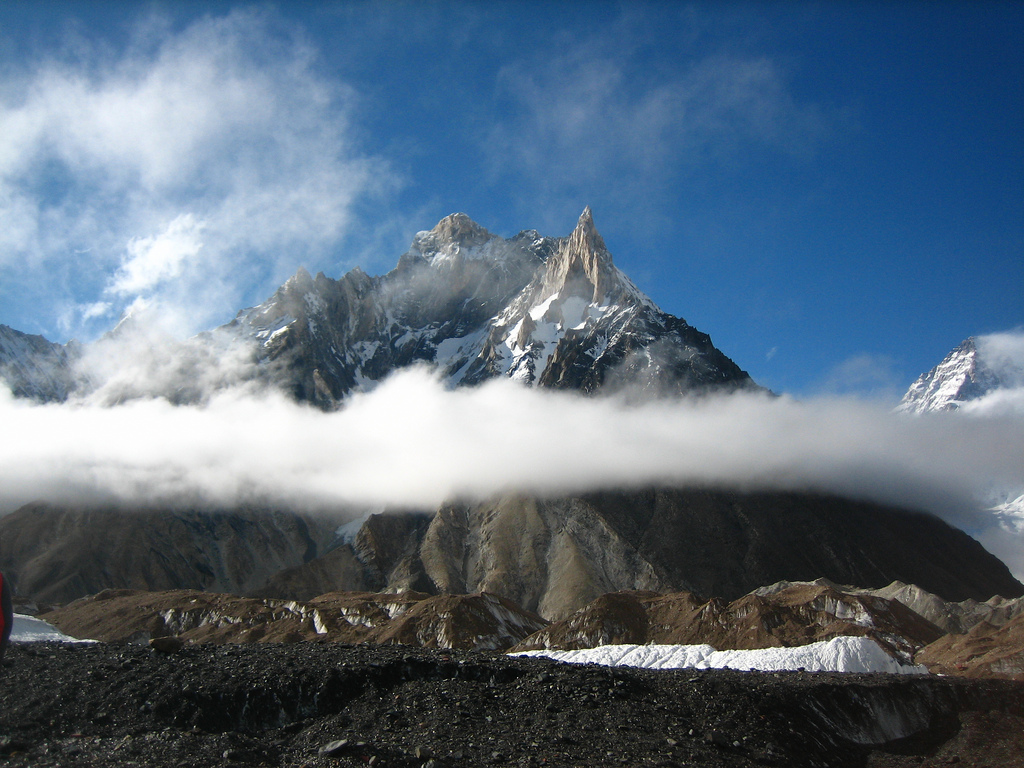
(29, 629)
(840, 654)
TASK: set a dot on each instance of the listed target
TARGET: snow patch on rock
(840, 654)
(29, 629)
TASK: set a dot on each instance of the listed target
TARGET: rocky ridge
(798, 614)
(780, 615)
(470, 622)
(951, 617)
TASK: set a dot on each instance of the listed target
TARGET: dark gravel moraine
(325, 705)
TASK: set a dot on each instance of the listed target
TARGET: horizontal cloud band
(411, 442)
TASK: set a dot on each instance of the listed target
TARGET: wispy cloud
(1003, 356)
(158, 170)
(592, 111)
(865, 375)
(152, 260)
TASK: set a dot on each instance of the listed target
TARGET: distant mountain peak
(961, 376)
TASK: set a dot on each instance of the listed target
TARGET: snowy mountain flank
(554, 312)
(977, 368)
(551, 312)
(962, 375)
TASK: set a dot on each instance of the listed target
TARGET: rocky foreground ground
(331, 704)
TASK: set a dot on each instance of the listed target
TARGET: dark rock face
(726, 544)
(553, 556)
(321, 705)
(54, 555)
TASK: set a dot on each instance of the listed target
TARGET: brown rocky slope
(796, 615)
(780, 615)
(477, 622)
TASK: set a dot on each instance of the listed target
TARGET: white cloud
(1003, 353)
(160, 169)
(412, 443)
(1009, 402)
(151, 260)
(95, 309)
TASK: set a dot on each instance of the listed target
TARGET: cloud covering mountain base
(412, 443)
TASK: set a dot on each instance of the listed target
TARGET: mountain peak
(582, 264)
(460, 229)
(586, 219)
(299, 283)
(586, 234)
(454, 234)
(961, 376)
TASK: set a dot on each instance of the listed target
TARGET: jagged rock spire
(582, 263)
(586, 236)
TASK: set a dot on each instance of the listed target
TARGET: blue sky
(834, 192)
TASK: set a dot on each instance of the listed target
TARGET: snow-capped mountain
(965, 374)
(36, 368)
(984, 376)
(546, 311)
(552, 312)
